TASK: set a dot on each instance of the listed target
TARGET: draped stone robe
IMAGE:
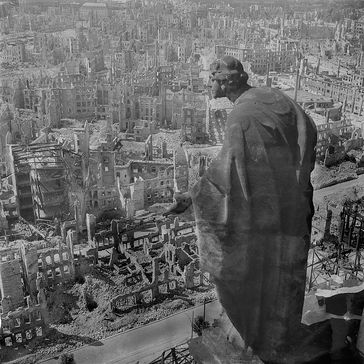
(253, 209)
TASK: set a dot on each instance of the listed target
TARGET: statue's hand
(182, 201)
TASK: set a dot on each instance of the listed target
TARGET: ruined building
(38, 178)
(26, 272)
(160, 261)
(261, 59)
(194, 125)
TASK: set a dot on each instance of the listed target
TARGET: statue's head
(227, 76)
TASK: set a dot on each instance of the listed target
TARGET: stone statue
(253, 209)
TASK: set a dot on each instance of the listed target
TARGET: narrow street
(145, 343)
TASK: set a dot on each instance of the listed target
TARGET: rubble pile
(323, 176)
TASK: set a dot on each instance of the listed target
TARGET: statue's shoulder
(264, 99)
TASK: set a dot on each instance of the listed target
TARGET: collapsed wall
(11, 288)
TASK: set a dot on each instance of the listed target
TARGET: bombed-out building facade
(27, 270)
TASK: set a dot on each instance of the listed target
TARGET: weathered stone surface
(214, 347)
